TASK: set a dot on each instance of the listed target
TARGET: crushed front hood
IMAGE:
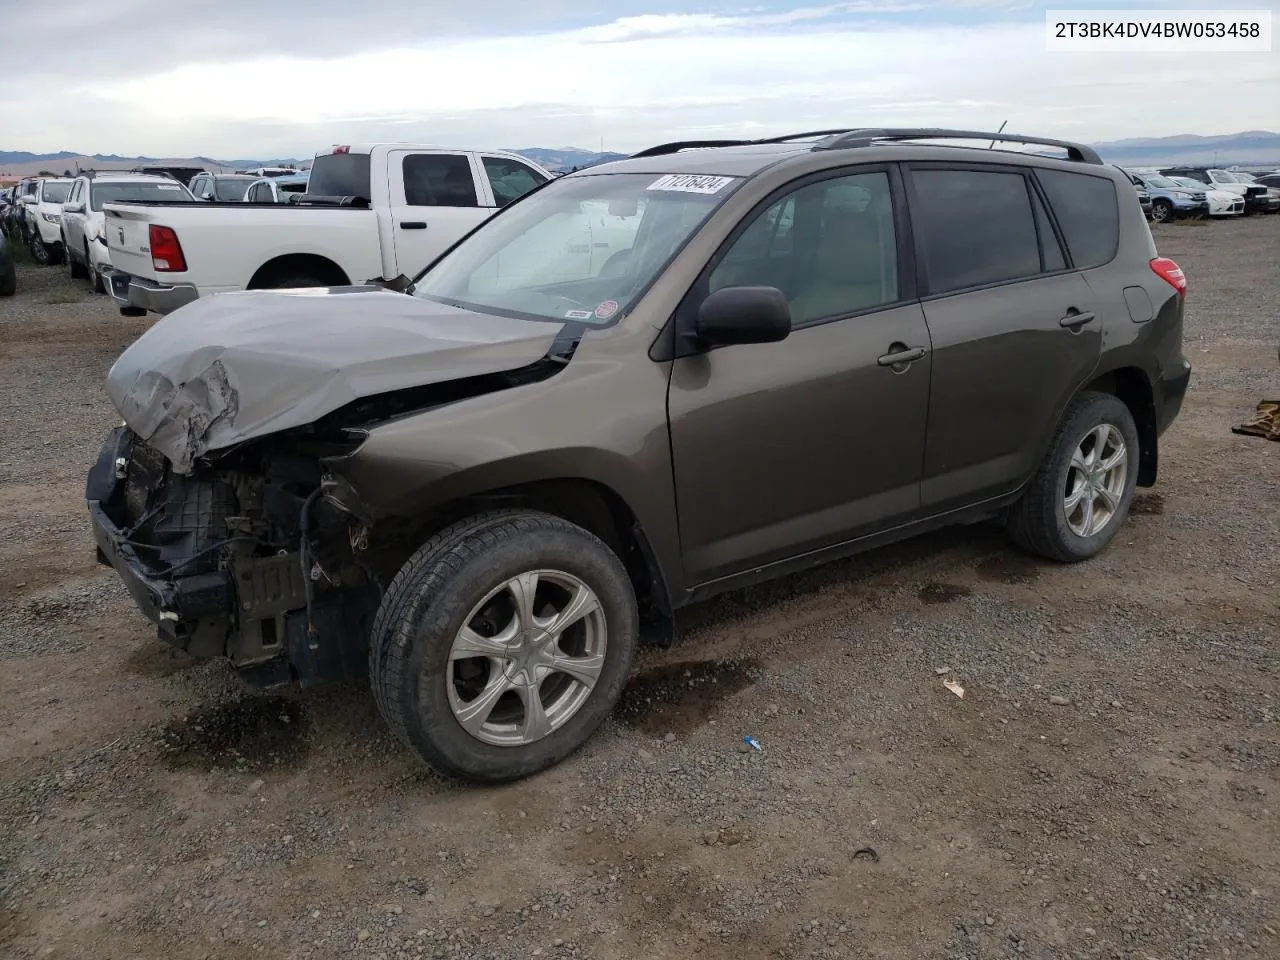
(231, 367)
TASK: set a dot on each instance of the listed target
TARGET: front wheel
(39, 250)
(75, 268)
(1080, 496)
(1161, 211)
(502, 644)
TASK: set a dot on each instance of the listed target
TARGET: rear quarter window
(340, 175)
(1088, 212)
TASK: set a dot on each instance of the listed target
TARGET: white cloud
(647, 78)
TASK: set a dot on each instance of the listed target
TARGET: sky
(240, 79)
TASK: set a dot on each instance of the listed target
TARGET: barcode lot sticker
(690, 183)
(1156, 31)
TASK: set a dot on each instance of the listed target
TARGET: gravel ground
(1107, 788)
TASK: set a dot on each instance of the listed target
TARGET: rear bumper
(139, 293)
(1173, 389)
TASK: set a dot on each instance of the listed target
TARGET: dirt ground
(1108, 786)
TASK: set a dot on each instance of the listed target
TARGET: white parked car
(1222, 203)
(44, 219)
(373, 212)
(84, 240)
(273, 189)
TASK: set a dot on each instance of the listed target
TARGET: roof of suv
(747, 158)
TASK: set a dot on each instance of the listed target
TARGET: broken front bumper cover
(139, 293)
(174, 604)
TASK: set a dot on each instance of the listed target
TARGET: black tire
(1161, 211)
(1038, 520)
(39, 251)
(95, 278)
(75, 268)
(426, 605)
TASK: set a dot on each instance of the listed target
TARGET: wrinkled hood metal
(231, 367)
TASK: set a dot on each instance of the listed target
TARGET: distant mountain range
(1252, 148)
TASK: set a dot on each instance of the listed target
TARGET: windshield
(129, 192)
(1243, 177)
(231, 188)
(1165, 183)
(1188, 182)
(581, 248)
(340, 175)
(56, 192)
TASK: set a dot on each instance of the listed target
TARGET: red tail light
(166, 251)
(1170, 273)
(341, 149)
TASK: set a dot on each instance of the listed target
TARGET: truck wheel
(1081, 494)
(502, 644)
(95, 276)
(74, 267)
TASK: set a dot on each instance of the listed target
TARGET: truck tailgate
(129, 240)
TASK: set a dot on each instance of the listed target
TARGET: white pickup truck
(371, 212)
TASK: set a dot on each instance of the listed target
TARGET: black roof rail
(1078, 152)
(676, 146)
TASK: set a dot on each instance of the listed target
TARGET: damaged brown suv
(640, 385)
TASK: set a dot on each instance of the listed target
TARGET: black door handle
(413, 225)
(899, 357)
(1074, 319)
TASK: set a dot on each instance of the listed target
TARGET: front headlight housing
(51, 217)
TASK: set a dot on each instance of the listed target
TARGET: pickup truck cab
(370, 212)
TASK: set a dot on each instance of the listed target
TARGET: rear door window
(975, 227)
(439, 180)
(1087, 209)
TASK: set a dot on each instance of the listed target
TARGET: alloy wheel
(1096, 479)
(526, 658)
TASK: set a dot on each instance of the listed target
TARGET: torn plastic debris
(752, 742)
(954, 688)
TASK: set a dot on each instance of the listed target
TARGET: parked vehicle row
(371, 212)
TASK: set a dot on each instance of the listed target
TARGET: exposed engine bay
(244, 557)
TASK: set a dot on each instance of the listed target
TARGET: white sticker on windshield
(578, 315)
(690, 183)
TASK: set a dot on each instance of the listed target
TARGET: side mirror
(744, 315)
(73, 208)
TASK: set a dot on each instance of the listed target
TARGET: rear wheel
(502, 644)
(294, 281)
(1080, 496)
